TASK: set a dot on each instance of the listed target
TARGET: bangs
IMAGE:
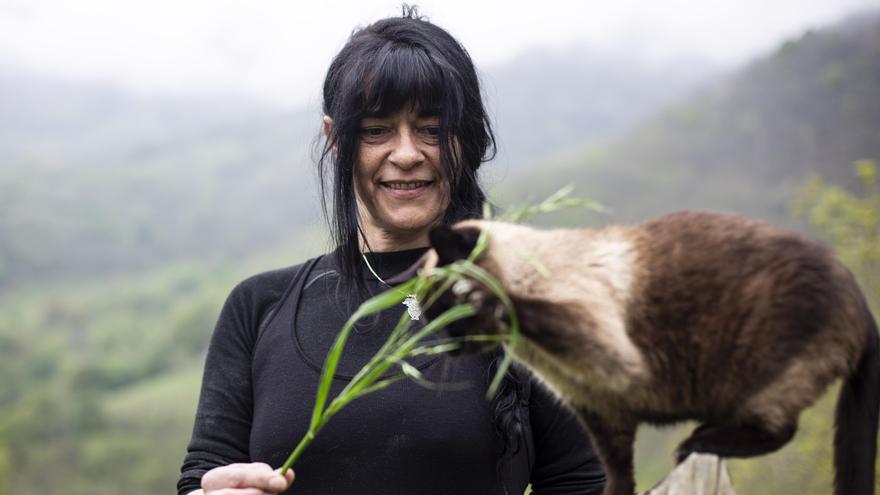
(403, 76)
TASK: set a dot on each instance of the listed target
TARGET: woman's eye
(373, 132)
(431, 133)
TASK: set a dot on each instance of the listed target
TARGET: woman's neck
(388, 243)
(382, 241)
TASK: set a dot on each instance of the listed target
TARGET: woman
(405, 134)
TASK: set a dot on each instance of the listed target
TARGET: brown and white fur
(690, 316)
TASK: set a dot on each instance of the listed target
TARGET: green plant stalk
(554, 202)
(455, 343)
(373, 305)
(332, 409)
(365, 380)
(366, 374)
(402, 351)
(380, 355)
(366, 383)
(395, 339)
(449, 316)
(492, 284)
(319, 418)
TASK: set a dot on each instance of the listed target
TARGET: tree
(849, 222)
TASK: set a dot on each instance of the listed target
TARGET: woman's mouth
(406, 185)
(406, 189)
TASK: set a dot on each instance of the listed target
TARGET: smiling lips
(406, 189)
(406, 185)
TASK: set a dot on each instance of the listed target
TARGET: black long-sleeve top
(260, 382)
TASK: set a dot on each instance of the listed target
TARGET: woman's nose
(406, 152)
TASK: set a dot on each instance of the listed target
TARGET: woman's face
(400, 184)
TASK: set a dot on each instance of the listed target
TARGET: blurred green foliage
(78, 356)
(214, 195)
(849, 222)
(101, 377)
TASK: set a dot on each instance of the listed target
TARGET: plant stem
(306, 440)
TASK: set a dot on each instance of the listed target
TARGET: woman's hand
(255, 478)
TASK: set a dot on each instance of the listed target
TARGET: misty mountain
(42, 117)
(548, 102)
(205, 194)
(746, 142)
(94, 180)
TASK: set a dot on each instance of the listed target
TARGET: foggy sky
(278, 50)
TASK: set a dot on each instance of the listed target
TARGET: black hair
(383, 68)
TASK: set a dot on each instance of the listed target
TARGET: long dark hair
(383, 68)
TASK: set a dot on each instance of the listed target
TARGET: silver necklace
(411, 303)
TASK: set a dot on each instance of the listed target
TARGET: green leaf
(554, 202)
(371, 306)
(413, 373)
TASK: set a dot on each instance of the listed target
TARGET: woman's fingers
(257, 477)
(288, 477)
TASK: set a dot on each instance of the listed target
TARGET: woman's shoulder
(270, 284)
(258, 293)
(254, 300)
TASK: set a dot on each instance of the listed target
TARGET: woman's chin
(412, 219)
(409, 227)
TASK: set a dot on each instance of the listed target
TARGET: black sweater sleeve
(221, 433)
(565, 462)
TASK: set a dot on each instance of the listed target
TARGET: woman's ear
(328, 125)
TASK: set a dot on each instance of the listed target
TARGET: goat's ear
(409, 273)
(453, 244)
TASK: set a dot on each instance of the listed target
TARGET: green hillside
(213, 194)
(546, 102)
(746, 142)
(101, 377)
